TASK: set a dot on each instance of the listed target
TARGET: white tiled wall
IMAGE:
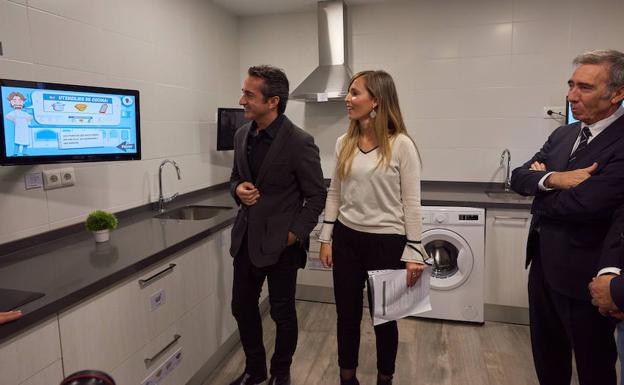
(473, 76)
(183, 57)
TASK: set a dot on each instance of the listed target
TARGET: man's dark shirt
(258, 144)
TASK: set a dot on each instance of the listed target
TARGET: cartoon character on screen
(21, 119)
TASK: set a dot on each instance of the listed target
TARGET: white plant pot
(101, 235)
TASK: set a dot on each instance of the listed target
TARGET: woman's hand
(414, 271)
(10, 316)
(326, 255)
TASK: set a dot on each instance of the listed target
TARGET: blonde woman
(372, 215)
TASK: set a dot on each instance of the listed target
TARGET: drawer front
(103, 331)
(201, 271)
(188, 337)
(198, 273)
(506, 278)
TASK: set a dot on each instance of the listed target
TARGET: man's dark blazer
(292, 193)
(573, 223)
(613, 255)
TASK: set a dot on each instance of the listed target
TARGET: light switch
(33, 180)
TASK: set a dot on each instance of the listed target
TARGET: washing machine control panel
(439, 218)
(451, 217)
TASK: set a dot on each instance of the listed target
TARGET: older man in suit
(577, 179)
(278, 182)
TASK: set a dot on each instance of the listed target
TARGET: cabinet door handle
(148, 361)
(505, 217)
(155, 277)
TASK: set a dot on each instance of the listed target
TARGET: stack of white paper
(392, 299)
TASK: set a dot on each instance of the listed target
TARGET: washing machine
(454, 238)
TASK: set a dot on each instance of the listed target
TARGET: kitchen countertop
(74, 267)
(472, 194)
(68, 266)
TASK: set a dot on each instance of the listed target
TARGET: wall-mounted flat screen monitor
(569, 117)
(55, 123)
(228, 121)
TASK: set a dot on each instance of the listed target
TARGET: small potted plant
(100, 223)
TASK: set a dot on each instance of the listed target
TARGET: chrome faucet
(507, 184)
(162, 200)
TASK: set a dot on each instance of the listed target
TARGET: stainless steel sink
(193, 213)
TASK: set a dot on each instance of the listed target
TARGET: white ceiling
(267, 7)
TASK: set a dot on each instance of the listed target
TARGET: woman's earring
(372, 114)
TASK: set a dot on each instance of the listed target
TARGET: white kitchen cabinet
(222, 303)
(200, 263)
(51, 375)
(505, 252)
(25, 358)
(103, 331)
(183, 337)
(122, 329)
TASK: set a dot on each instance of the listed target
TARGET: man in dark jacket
(577, 179)
(278, 183)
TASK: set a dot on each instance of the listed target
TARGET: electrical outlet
(173, 361)
(558, 112)
(52, 179)
(164, 369)
(157, 299)
(68, 176)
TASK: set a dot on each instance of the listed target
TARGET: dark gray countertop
(74, 267)
(68, 266)
(472, 194)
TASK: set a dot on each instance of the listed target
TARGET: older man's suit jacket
(292, 193)
(572, 224)
(613, 255)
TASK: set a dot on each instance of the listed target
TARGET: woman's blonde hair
(386, 125)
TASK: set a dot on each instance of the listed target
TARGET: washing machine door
(450, 257)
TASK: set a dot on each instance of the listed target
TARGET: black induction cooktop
(12, 299)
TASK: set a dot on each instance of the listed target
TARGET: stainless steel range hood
(330, 80)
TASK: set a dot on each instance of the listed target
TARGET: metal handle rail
(148, 361)
(147, 281)
(505, 217)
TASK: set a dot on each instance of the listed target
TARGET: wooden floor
(430, 352)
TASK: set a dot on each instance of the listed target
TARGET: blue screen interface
(44, 122)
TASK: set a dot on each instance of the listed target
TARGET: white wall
(473, 76)
(183, 57)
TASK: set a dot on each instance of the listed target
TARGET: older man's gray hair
(612, 58)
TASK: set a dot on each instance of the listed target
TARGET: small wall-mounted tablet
(228, 121)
